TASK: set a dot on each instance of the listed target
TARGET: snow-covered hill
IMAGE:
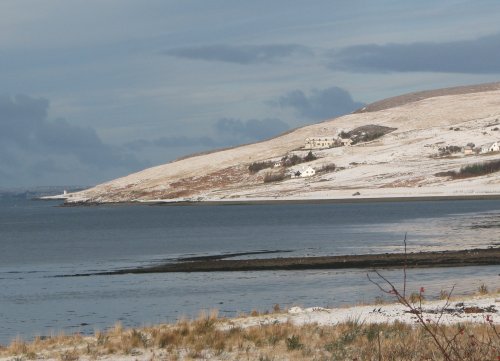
(402, 163)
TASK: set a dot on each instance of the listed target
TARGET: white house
(307, 172)
(468, 150)
(346, 142)
(490, 147)
(319, 142)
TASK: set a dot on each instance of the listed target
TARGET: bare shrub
(344, 135)
(444, 295)
(366, 133)
(258, 166)
(327, 168)
(449, 149)
(483, 289)
(206, 322)
(473, 170)
(67, 355)
(310, 157)
(293, 343)
(274, 177)
(453, 343)
(416, 297)
(449, 173)
(294, 159)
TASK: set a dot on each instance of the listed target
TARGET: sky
(91, 90)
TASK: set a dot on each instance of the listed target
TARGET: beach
(293, 334)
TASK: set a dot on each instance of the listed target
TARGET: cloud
(242, 54)
(252, 129)
(227, 132)
(320, 104)
(20, 117)
(477, 56)
(172, 142)
(34, 142)
(40, 168)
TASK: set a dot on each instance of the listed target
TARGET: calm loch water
(40, 240)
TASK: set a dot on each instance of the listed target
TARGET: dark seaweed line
(475, 257)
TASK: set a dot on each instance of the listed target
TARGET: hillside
(425, 135)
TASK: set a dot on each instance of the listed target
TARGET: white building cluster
(320, 142)
(490, 147)
(304, 172)
(326, 142)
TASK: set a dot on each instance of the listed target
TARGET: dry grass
(204, 339)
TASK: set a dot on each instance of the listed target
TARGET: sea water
(41, 241)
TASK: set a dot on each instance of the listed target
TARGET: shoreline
(248, 336)
(299, 201)
(275, 201)
(474, 257)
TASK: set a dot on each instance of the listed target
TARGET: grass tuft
(293, 343)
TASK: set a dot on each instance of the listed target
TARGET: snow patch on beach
(475, 310)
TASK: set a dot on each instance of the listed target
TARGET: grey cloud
(227, 132)
(184, 141)
(40, 168)
(242, 54)
(477, 56)
(26, 133)
(21, 116)
(7, 157)
(6, 175)
(172, 142)
(252, 129)
(320, 104)
(59, 136)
